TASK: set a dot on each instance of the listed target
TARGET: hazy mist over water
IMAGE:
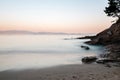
(40, 51)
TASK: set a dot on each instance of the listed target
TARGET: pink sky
(54, 15)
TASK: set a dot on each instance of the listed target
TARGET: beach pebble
(74, 77)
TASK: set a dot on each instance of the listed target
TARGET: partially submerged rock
(89, 59)
(85, 47)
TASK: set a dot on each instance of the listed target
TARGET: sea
(19, 52)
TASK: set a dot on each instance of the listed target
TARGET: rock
(103, 61)
(114, 51)
(108, 36)
(85, 47)
(86, 37)
(105, 55)
(89, 59)
(74, 77)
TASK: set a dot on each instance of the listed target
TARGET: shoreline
(65, 72)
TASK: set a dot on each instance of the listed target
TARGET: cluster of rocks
(110, 38)
(92, 59)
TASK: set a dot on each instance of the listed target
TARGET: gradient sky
(73, 16)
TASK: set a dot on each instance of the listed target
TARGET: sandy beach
(66, 72)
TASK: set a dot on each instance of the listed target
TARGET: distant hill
(16, 32)
(9, 32)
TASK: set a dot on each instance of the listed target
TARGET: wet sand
(66, 72)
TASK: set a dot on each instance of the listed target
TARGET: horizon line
(39, 32)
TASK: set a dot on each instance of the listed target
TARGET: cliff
(108, 36)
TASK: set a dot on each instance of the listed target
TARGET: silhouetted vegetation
(113, 8)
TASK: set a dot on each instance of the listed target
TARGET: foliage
(113, 8)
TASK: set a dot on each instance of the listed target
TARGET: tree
(113, 8)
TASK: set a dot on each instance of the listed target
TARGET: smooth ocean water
(39, 51)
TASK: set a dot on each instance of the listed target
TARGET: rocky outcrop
(86, 37)
(113, 51)
(108, 36)
(111, 39)
(103, 61)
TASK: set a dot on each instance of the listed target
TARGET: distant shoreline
(16, 32)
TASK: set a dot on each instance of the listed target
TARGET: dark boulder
(89, 59)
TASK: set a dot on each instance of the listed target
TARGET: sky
(71, 16)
